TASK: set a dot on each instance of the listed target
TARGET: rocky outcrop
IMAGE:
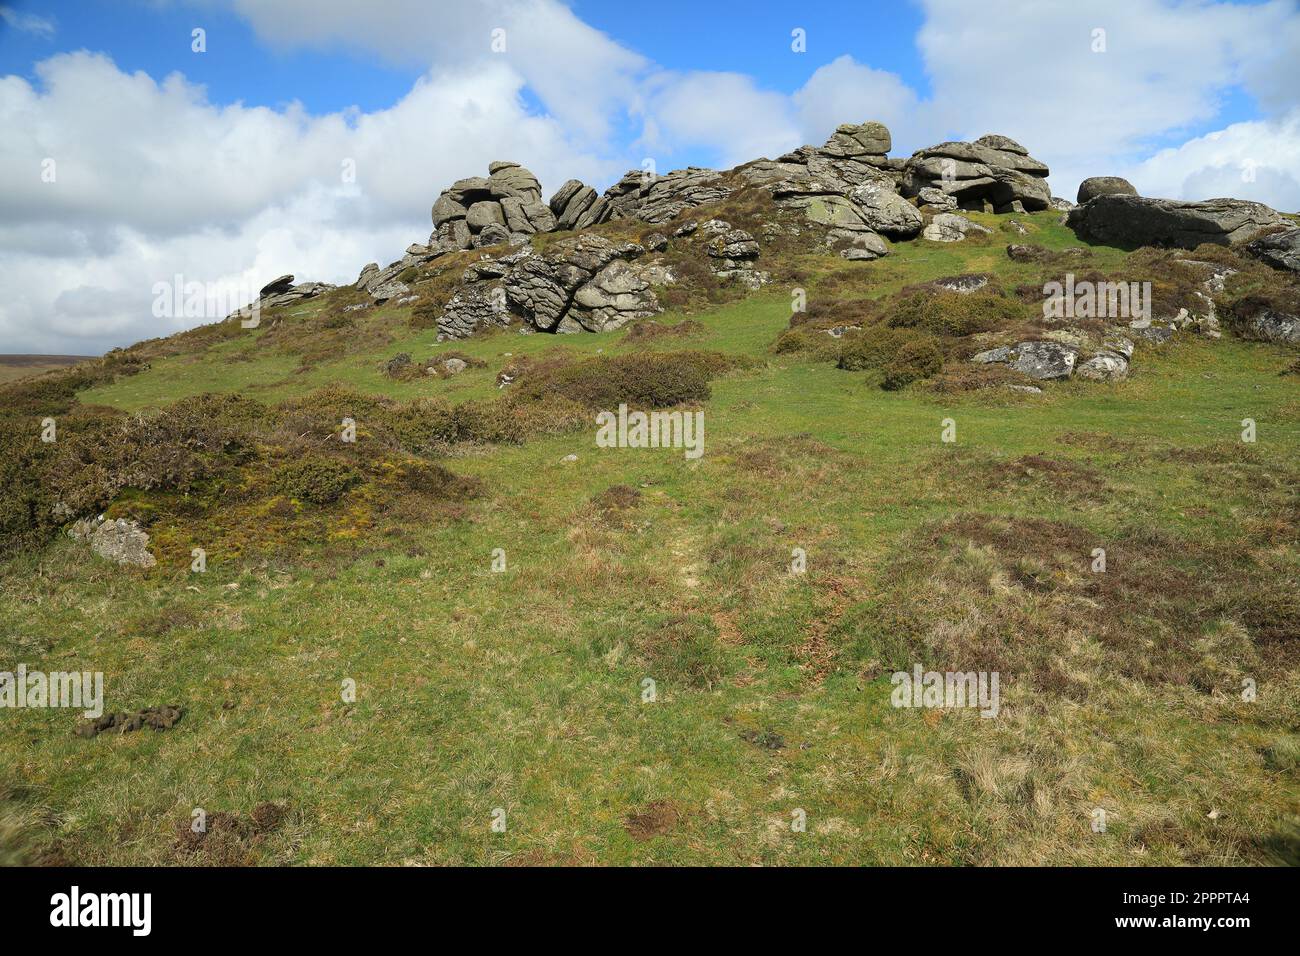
(1281, 250)
(853, 215)
(1132, 221)
(282, 291)
(732, 254)
(651, 198)
(992, 174)
(854, 154)
(570, 202)
(122, 541)
(1104, 186)
(586, 282)
(506, 206)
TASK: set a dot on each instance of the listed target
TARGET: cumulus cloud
(724, 114)
(845, 91)
(580, 75)
(149, 179)
(1252, 160)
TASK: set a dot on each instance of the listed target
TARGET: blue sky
(224, 165)
(156, 39)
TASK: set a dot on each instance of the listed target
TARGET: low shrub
(648, 330)
(915, 359)
(645, 380)
(318, 479)
(953, 314)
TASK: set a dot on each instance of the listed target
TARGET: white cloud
(27, 22)
(1030, 72)
(845, 91)
(579, 73)
(152, 180)
(724, 114)
(1253, 160)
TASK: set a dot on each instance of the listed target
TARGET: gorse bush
(319, 479)
(643, 380)
(915, 359)
(953, 313)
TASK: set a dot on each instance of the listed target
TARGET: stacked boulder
(992, 174)
(732, 253)
(506, 206)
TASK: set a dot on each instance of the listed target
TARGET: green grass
(522, 690)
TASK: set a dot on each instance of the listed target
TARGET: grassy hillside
(523, 690)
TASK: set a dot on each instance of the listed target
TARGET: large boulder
(570, 202)
(1132, 221)
(1281, 250)
(950, 227)
(733, 249)
(854, 154)
(614, 296)
(1104, 186)
(865, 141)
(472, 308)
(990, 174)
(885, 211)
(583, 282)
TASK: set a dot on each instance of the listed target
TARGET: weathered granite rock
(281, 291)
(950, 227)
(1103, 367)
(980, 175)
(929, 196)
(733, 249)
(570, 202)
(1281, 250)
(616, 295)
(1131, 221)
(1040, 360)
(1269, 324)
(885, 211)
(472, 308)
(122, 541)
(583, 282)
(1105, 186)
(650, 198)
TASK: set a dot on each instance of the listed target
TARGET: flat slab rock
(1131, 221)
